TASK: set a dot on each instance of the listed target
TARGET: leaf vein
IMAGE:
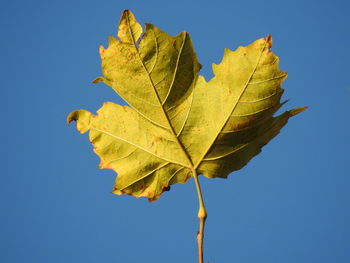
(178, 170)
(267, 80)
(253, 113)
(143, 177)
(138, 146)
(186, 118)
(125, 156)
(226, 154)
(157, 51)
(176, 68)
(265, 98)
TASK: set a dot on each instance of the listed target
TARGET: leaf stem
(202, 216)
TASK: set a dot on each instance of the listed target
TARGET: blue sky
(290, 204)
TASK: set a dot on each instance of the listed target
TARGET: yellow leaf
(178, 123)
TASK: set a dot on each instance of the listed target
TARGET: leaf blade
(239, 99)
(177, 122)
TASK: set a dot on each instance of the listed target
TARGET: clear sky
(290, 204)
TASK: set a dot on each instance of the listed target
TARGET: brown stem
(202, 215)
(200, 236)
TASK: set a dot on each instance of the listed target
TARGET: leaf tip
(101, 50)
(128, 15)
(269, 41)
(97, 80)
(297, 110)
(115, 191)
(71, 117)
(227, 51)
(127, 12)
(82, 119)
(129, 30)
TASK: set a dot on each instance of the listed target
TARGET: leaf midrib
(171, 128)
(138, 146)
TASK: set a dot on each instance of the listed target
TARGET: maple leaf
(178, 125)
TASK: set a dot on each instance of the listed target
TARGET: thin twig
(200, 237)
(202, 215)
